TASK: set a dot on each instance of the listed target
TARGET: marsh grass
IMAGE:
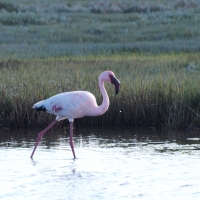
(58, 28)
(47, 48)
(156, 90)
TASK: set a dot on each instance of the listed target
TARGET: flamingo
(76, 104)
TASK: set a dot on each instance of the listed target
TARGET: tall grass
(156, 90)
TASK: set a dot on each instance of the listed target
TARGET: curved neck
(106, 102)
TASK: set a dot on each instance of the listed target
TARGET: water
(111, 164)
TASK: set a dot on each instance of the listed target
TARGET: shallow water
(111, 164)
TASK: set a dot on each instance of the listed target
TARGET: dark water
(111, 163)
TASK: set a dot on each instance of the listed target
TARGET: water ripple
(107, 167)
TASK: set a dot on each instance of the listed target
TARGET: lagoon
(114, 163)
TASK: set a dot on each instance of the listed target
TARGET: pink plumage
(69, 105)
(76, 104)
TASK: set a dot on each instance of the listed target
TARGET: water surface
(111, 163)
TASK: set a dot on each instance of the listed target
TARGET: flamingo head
(109, 76)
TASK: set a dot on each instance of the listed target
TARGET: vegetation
(46, 48)
(75, 28)
(156, 90)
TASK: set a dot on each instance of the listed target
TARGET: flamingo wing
(69, 104)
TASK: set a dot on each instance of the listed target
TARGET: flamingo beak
(116, 83)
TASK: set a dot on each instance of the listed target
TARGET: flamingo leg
(71, 139)
(40, 135)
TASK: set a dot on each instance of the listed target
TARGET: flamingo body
(76, 104)
(70, 105)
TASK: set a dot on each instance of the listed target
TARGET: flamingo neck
(106, 102)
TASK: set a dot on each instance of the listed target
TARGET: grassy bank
(156, 90)
(152, 46)
(56, 28)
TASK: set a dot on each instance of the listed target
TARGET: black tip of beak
(117, 85)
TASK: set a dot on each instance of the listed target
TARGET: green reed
(156, 90)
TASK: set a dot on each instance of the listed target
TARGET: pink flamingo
(76, 104)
